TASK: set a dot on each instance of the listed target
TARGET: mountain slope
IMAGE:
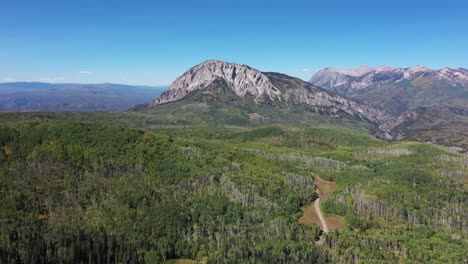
(28, 96)
(252, 91)
(435, 124)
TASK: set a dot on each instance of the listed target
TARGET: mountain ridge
(356, 79)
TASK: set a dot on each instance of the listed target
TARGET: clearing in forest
(324, 190)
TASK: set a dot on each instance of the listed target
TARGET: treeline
(384, 151)
(306, 160)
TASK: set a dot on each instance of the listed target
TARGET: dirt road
(320, 215)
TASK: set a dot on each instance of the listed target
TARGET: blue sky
(153, 42)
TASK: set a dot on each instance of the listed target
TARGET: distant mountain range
(398, 89)
(35, 96)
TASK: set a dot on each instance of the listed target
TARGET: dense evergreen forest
(72, 192)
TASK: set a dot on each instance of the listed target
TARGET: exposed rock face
(390, 129)
(265, 88)
(242, 79)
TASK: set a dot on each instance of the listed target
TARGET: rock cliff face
(242, 79)
(262, 88)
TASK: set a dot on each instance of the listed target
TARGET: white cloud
(51, 79)
(307, 70)
(8, 79)
(85, 72)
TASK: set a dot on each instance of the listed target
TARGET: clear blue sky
(153, 42)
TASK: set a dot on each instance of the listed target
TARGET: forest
(76, 192)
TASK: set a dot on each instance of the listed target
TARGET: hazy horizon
(312, 72)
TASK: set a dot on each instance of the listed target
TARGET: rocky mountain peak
(383, 68)
(356, 72)
(242, 80)
(419, 68)
(415, 71)
(458, 75)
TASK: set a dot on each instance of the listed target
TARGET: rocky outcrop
(242, 79)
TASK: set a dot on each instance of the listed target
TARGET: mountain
(398, 89)
(29, 96)
(254, 91)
